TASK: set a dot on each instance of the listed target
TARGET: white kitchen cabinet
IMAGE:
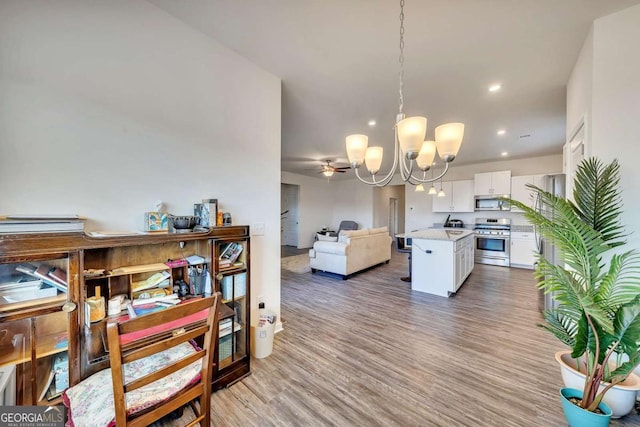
(458, 197)
(441, 260)
(464, 260)
(523, 249)
(520, 191)
(492, 183)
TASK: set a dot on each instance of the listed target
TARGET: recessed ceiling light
(372, 123)
(501, 132)
(504, 153)
(495, 87)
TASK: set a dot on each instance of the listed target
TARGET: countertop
(440, 234)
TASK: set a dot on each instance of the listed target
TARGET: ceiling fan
(328, 169)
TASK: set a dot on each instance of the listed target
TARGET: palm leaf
(621, 284)
(597, 198)
(564, 328)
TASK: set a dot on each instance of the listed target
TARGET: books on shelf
(225, 327)
(153, 281)
(58, 379)
(175, 263)
(27, 293)
(230, 254)
(41, 223)
(42, 272)
(58, 275)
(145, 306)
(195, 260)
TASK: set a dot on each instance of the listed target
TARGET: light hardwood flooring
(370, 352)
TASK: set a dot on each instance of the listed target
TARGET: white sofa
(354, 251)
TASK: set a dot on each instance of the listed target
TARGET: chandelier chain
(401, 57)
(407, 132)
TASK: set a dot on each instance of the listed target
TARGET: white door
(393, 216)
(289, 215)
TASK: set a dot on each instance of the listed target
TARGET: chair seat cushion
(90, 402)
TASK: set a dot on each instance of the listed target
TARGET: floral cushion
(90, 402)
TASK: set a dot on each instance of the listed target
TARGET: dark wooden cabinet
(51, 324)
(233, 281)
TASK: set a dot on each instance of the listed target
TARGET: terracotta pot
(620, 398)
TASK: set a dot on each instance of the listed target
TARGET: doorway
(289, 195)
(393, 216)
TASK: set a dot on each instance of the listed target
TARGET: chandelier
(409, 143)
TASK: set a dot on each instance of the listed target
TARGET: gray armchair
(345, 225)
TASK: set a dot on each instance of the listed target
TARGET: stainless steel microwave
(491, 203)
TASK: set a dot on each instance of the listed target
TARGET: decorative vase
(621, 398)
(579, 417)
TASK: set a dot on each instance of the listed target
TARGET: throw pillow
(325, 238)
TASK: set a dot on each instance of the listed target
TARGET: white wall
(315, 205)
(615, 131)
(108, 106)
(579, 92)
(353, 201)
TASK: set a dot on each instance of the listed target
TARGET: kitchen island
(441, 260)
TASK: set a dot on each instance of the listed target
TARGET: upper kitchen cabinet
(520, 191)
(492, 183)
(458, 197)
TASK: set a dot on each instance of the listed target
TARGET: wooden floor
(370, 352)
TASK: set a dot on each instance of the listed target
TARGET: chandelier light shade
(409, 142)
(373, 159)
(419, 188)
(441, 193)
(426, 155)
(411, 133)
(449, 139)
(357, 149)
(432, 190)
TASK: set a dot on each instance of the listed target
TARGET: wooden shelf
(46, 346)
(226, 312)
(237, 298)
(135, 269)
(35, 304)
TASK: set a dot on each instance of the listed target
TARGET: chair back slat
(149, 349)
(163, 316)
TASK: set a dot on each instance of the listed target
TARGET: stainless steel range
(492, 240)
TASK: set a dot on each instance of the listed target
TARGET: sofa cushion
(379, 230)
(335, 248)
(345, 235)
(326, 238)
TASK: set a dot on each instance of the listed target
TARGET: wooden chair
(155, 369)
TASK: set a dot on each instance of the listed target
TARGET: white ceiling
(338, 61)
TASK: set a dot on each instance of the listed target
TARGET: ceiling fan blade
(339, 171)
(343, 168)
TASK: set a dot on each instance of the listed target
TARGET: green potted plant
(597, 289)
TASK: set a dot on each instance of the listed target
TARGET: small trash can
(262, 334)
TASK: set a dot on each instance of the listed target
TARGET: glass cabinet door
(232, 280)
(34, 329)
(233, 329)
